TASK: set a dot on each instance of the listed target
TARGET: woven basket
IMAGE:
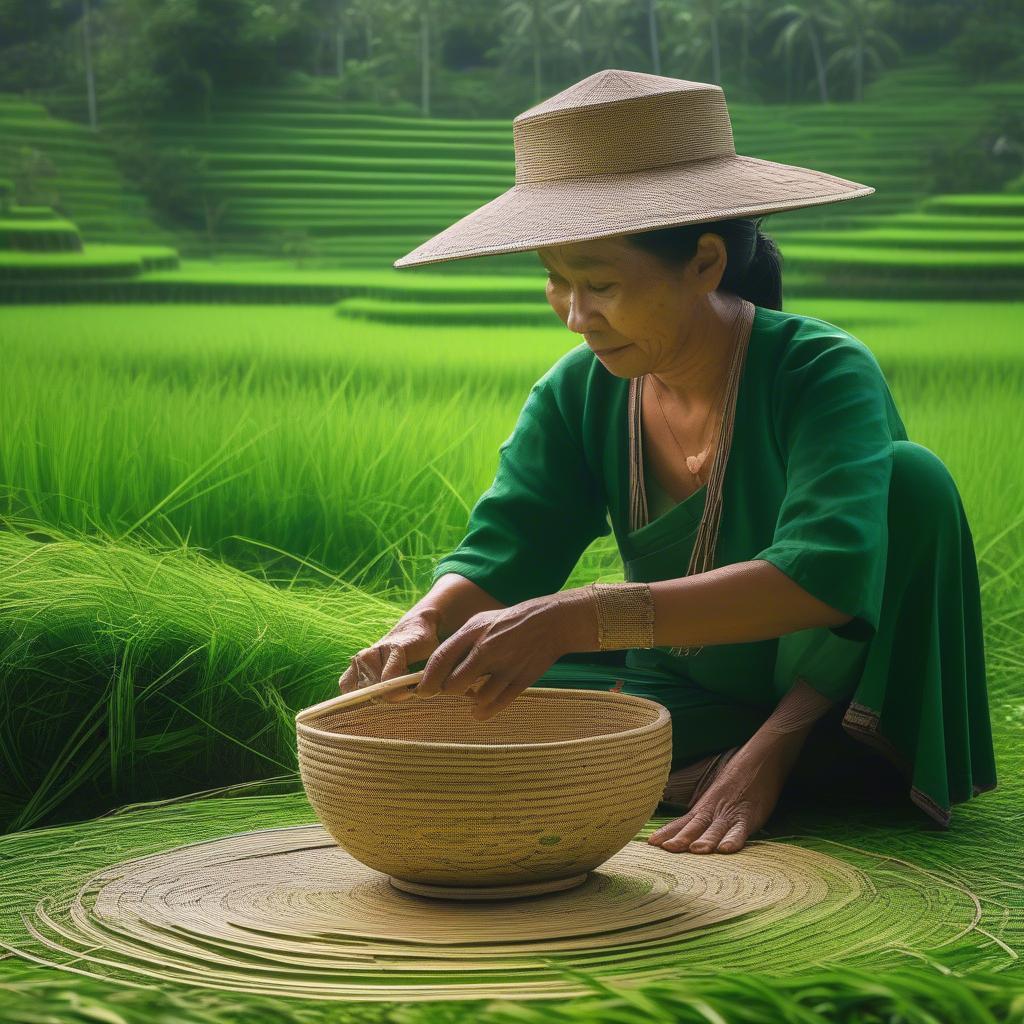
(528, 801)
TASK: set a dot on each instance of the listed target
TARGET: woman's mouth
(612, 351)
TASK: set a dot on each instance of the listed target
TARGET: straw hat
(623, 151)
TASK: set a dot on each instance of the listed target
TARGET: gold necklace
(702, 555)
(694, 463)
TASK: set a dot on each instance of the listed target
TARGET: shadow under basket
(525, 803)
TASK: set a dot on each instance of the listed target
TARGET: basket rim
(302, 726)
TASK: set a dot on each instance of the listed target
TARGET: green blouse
(820, 478)
(806, 484)
(811, 485)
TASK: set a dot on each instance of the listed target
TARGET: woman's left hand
(739, 801)
(514, 646)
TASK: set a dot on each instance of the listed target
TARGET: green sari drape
(822, 482)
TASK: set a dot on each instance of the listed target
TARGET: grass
(204, 515)
(209, 514)
(133, 673)
(226, 426)
(833, 996)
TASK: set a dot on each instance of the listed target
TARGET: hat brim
(531, 215)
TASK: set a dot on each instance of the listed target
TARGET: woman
(794, 564)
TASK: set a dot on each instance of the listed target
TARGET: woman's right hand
(410, 642)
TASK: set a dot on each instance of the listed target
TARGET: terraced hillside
(86, 185)
(335, 193)
(43, 253)
(366, 187)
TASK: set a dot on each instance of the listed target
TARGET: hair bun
(764, 247)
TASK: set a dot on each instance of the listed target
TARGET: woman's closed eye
(593, 287)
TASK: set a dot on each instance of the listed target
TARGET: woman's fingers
(466, 681)
(496, 695)
(694, 827)
(358, 673)
(395, 666)
(701, 832)
(735, 838)
(445, 673)
(491, 689)
(716, 831)
(669, 830)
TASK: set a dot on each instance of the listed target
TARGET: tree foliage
(491, 57)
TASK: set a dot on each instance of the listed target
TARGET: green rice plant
(288, 154)
(479, 314)
(52, 234)
(158, 472)
(90, 189)
(90, 262)
(126, 670)
(29, 995)
(266, 432)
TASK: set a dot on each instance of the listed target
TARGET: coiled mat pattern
(283, 911)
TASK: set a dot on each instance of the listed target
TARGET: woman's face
(636, 314)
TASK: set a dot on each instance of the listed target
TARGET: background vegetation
(463, 58)
(235, 441)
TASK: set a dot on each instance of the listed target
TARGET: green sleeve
(831, 534)
(527, 531)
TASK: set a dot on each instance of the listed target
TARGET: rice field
(280, 158)
(338, 191)
(205, 515)
(276, 473)
(206, 509)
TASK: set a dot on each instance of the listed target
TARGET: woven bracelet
(625, 615)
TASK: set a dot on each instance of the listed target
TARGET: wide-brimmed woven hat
(623, 151)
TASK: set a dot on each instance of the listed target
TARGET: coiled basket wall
(528, 801)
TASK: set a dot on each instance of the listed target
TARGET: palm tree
(425, 13)
(90, 78)
(745, 12)
(527, 24)
(611, 44)
(342, 17)
(574, 17)
(810, 19)
(697, 28)
(371, 12)
(652, 29)
(863, 42)
(710, 12)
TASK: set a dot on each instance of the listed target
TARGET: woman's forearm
(738, 603)
(733, 604)
(451, 601)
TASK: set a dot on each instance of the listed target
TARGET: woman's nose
(579, 313)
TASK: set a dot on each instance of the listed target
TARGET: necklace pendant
(694, 462)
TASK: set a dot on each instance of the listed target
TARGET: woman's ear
(708, 263)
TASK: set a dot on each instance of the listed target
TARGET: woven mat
(285, 911)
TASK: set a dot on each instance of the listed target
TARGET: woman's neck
(696, 378)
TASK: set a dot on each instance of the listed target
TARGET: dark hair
(753, 262)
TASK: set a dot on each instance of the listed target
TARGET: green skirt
(914, 696)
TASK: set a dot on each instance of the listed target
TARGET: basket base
(488, 892)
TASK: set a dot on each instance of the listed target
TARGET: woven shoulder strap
(702, 558)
